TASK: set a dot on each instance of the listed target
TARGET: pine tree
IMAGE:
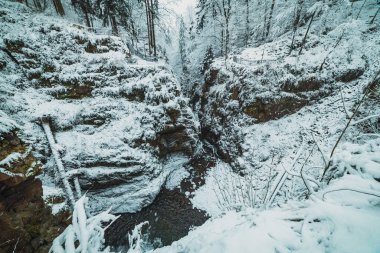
(207, 60)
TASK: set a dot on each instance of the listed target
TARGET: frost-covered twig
(268, 185)
(14, 249)
(374, 16)
(304, 179)
(324, 157)
(348, 114)
(361, 8)
(372, 193)
(365, 119)
(328, 54)
(282, 177)
(77, 187)
(362, 135)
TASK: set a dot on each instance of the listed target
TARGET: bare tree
(150, 16)
(59, 7)
(268, 25)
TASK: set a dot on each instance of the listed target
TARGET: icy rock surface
(117, 124)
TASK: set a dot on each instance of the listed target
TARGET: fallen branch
(365, 119)
(296, 175)
(328, 54)
(282, 176)
(58, 162)
(304, 179)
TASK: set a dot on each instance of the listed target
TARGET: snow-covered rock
(117, 124)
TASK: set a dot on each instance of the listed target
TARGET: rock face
(26, 222)
(121, 126)
(267, 83)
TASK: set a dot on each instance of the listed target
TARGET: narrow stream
(170, 216)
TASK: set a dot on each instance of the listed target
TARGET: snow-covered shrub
(85, 234)
(362, 159)
(226, 191)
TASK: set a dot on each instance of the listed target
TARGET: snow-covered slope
(259, 106)
(343, 222)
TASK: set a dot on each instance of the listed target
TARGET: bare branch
(372, 193)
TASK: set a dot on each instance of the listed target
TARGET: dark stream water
(170, 216)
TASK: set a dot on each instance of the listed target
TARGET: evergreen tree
(207, 60)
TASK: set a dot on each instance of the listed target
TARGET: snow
(10, 159)
(6, 124)
(87, 231)
(341, 223)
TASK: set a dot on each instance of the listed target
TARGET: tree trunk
(297, 17)
(153, 14)
(270, 18)
(150, 16)
(115, 31)
(113, 19)
(85, 5)
(307, 31)
(148, 25)
(247, 23)
(59, 7)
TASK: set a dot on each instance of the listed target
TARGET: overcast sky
(180, 6)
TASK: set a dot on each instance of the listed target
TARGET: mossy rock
(235, 93)
(14, 46)
(270, 108)
(48, 67)
(9, 144)
(77, 92)
(174, 139)
(303, 85)
(91, 48)
(27, 220)
(173, 114)
(136, 94)
(76, 89)
(350, 75)
(25, 166)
